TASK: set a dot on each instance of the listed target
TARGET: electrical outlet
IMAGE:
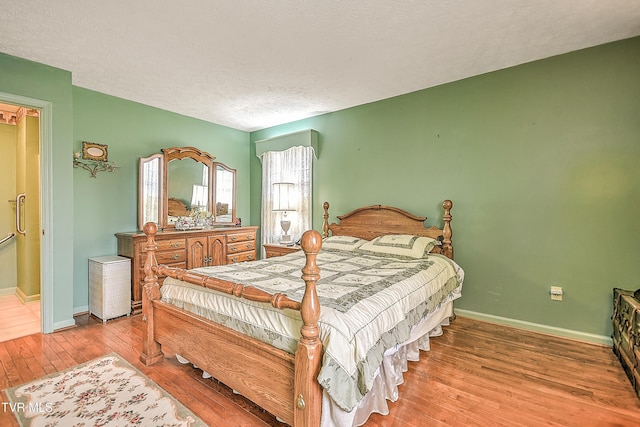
(556, 293)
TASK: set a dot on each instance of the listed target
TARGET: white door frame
(46, 202)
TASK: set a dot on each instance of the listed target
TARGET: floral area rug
(103, 392)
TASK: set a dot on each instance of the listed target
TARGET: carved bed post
(447, 246)
(151, 351)
(325, 222)
(308, 394)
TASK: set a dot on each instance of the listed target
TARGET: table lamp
(282, 195)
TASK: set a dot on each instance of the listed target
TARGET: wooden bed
(283, 384)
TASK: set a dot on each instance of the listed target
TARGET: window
(291, 167)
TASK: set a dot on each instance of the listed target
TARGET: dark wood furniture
(626, 334)
(186, 249)
(272, 250)
(284, 384)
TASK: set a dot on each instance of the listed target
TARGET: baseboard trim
(80, 310)
(7, 291)
(537, 327)
(66, 324)
(26, 298)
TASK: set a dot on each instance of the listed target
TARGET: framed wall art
(93, 151)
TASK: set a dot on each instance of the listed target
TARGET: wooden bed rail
(307, 393)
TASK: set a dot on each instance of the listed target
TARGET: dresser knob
(176, 256)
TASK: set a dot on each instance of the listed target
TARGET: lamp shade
(282, 196)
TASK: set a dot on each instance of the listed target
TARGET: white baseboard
(70, 323)
(64, 324)
(80, 310)
(536, 327)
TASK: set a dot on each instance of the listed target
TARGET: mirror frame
(179, 153)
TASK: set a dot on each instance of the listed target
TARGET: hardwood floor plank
(476, 373)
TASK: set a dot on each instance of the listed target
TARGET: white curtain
(292, 165)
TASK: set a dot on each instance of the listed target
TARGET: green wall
(108, 203)
(541, 161)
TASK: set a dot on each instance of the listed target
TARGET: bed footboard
(281, 383)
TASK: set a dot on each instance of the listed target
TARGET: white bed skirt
(390, 374)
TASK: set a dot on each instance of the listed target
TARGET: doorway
(20, 223)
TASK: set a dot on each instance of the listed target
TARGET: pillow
(344, 243)
(403, 245)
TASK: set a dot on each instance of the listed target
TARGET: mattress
(369, 304)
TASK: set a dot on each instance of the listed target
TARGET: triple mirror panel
(185, 182)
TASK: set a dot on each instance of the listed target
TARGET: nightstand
(279, 250)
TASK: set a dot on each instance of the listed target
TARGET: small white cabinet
(109, 286)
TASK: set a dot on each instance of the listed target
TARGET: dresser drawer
(233, 248)
(167, 257)
(241, 237)
(241, 257)
(169, 244)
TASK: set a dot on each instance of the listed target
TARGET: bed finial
(325, 223)
(447, 233)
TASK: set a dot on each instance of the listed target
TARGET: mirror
(181, 182)
(224, 193)
(187, 185)
(150, 180)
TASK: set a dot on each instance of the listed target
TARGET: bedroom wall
(541, 161)
(108, 203)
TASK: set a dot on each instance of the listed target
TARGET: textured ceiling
(251, 64)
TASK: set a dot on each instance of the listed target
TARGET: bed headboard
(376, 220)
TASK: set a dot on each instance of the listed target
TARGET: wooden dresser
(186, 249)
(626, 334)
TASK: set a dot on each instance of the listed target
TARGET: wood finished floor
(18, 319)
(476, 374)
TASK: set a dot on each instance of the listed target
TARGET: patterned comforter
(368, 305)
